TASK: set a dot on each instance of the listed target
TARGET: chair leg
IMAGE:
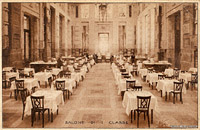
(181, 98)
(23, 113)
(161, 92)
(134, 114)
(137, 119)
(165, 96)
(148, 118)
(173, 98)
(131, 115)
(32, 117)
(48, 115)
(151, 116)
(43, 119)
(38, 115)
(144, 115)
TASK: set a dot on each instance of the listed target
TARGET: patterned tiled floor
(96, 104)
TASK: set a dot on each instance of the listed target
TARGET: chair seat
(172, 91)
(141, 109)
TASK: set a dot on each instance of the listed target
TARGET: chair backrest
(143, 102)
(23, 96)
(150, 70)
(130, 84)
(161, 77)
(122, 70)
(60, 85)
(178, 86)
(137, 88)
(31, 74)
(19, 84)
(37, 102)
(168, 77)
(4, 75)
(48, 70)
(67, 75)
(194, 78)
(11, 79)
(176, 72)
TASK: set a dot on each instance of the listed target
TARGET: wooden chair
(49, 70)
(168, 77)
(176, 73)
(12, 79)
(150, 70)
(38, 106)
(19, 87)
(4, 81)
(177, 89)
(161, 77)
(24, 94)
(194, 81)
(130, 84)
(143, 103)
(21, 73)
(122, 70)
(137, 88)
(60, 85)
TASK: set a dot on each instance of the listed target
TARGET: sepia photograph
(99, 65)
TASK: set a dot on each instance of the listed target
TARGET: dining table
(28, 70)
(11, 75)
(122, 84)
(152, 78)
(167, 85)
(7, 69)
(43, 77)
(169, 72)
(130, 101)
(69, 83)
(52, 100)
(29, 83)
(143, 72)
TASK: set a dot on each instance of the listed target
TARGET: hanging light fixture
(103, 12)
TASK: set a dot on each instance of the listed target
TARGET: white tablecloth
(167, 85)
(42, 77)
(169, 72)
(143, 72)
(52, 99)
(29, 83)
(130, 100)
(185, 76)
(71, 68)
(122, 85)
(11, 74)
(76, 76)
(7, 69)
(92, 62)
(27, 70)
(56, 71)
(192, 70)
(152, 77)
(69, 84)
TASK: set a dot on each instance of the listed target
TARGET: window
(27, 46)
(76, 11)
(130, 11)
(195, 19)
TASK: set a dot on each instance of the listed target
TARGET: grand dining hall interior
(99, 65)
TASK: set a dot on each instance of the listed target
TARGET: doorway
(103, 43)
(177, 31)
